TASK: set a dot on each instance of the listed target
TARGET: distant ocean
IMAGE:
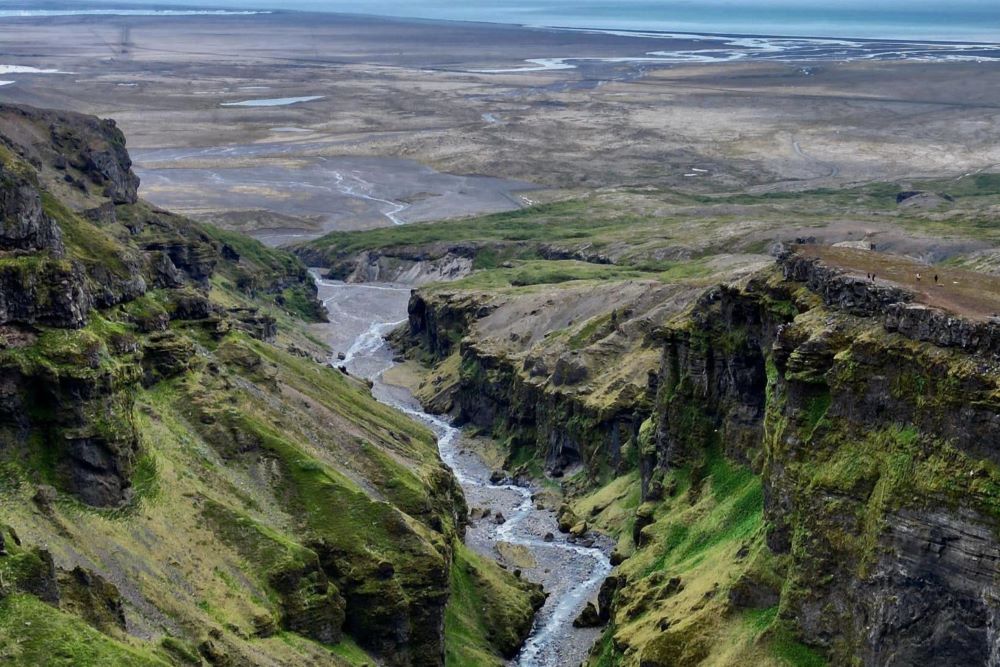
(939, 20)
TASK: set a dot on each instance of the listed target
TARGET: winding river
(361, 315)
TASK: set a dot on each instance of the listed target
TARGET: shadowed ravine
(361, 315)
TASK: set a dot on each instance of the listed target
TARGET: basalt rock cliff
(801, 466)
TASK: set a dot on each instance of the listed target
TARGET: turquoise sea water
(948, 20)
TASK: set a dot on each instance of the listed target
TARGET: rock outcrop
(25, 225)
(411, 265)
(74, 388)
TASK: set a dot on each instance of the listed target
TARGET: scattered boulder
(588, 618)
(536, 367)
(567, 519)
(259, 325)
(264, 626)
(45, 496)
(477, 513)
(192, 305)
(214, 653)
(166, 355)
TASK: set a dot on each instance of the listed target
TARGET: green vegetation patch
(33, 633)
(488, 613)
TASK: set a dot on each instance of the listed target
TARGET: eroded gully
(361, 315)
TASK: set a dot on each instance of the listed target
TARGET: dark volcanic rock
(606, 597)
(166, 354)
(935, 326)
(932, 597)
(23, 224)
(43, 291)
(93, 598)
(311, 604)
(111, 167)
(923, 597)
(588, 618)
(98, 471)
(852, 294)
(569, 370)
(259, 325)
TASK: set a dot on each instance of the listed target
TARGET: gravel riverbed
(361, 315)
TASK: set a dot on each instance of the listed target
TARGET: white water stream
(361, 315)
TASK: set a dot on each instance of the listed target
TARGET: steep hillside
(797, 461)
(184, 480)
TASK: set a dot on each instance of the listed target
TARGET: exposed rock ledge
(858, 296)
(841, 290)
(408, 265)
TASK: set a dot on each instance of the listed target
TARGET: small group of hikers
(871, 277)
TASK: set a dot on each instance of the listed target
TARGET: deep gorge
(861, 462)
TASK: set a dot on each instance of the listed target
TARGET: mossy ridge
(210, 560)
(384, 561)
(489, 612)
(705, 539)
(678, 235)
(169, 437)
(86, 241)
(270, 273)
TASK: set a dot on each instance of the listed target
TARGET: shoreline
(662, 33)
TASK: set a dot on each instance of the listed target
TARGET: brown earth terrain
(968, 293)
(411, 90)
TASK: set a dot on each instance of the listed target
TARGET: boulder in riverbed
(588, 618)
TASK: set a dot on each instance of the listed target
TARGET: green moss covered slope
(184, 480)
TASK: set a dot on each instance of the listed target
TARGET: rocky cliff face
(408, 265)
(826, 445)
(74, 389)
(858, 439)
(563, 405)
(206, 491)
